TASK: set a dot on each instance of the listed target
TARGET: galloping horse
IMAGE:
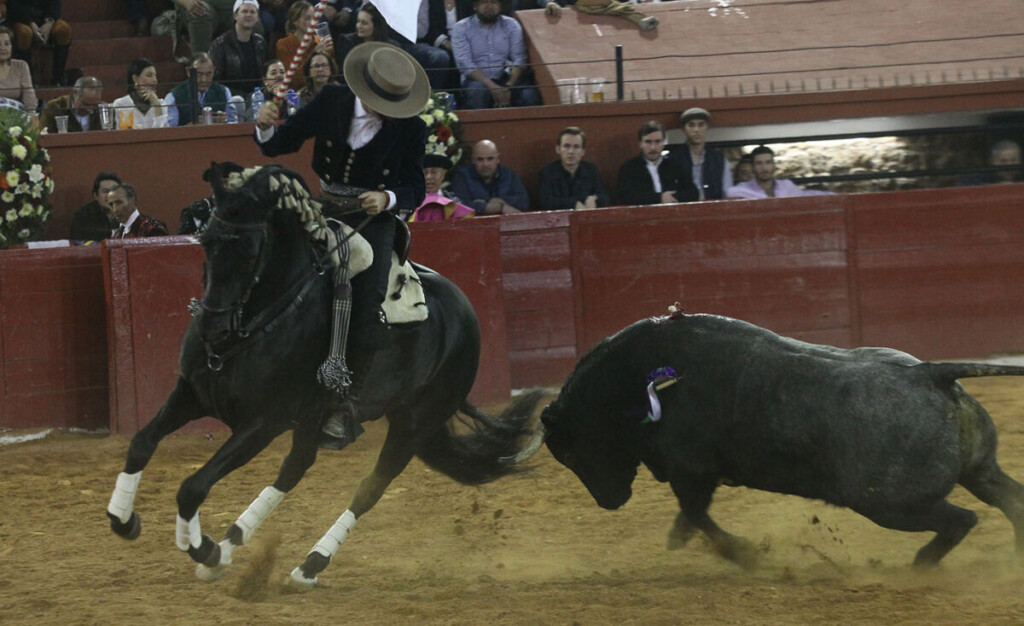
(250, 357)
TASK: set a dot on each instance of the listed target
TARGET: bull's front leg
(181, 407)
(694, 495)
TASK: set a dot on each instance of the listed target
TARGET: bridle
(237, 307)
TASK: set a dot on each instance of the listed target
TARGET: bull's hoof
(208, 552)
(739, 551)
(128, 530)
(679, 537)
(210, 574)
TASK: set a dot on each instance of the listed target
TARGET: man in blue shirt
(489, 187)
(491, 56)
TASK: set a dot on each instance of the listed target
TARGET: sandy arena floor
(529, 549)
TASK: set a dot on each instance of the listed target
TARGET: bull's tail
(949, 372)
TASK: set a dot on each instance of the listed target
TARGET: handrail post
(620, 87)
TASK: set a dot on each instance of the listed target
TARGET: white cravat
(364, 126)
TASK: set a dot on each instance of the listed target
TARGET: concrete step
(120, 51)
(101, 29)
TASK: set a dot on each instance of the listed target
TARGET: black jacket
(636, 187)
(227, 57)
(556, 190)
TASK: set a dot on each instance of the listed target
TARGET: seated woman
(318, 71)
(273, 75)
(141, 107)
(15, 75)
(370, 26)
(299, 17)
(437, 206)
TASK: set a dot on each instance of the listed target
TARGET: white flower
(11, 215)
(13, 178)
(24, 233)
(27, 210)
(451, 141)
(7, 197)
(49, 185)
(21, 189)
(19, 151)
(432, 139)
(439, 115)
(41, 211)
(427, 119)
(14, 131)
(35, 173)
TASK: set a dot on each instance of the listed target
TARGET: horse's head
(237, 247)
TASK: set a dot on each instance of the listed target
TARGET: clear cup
(62, 123)
(323, 31)
(565, 89)
(106, 116)
(578, 93)
(597, 90)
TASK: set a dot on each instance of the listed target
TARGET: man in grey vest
(711, 173)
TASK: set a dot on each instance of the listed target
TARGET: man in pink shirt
(764, 184)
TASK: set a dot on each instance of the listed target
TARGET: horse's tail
(475, 457)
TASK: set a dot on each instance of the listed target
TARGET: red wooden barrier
(53, 349)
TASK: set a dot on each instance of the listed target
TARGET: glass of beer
(597, 90)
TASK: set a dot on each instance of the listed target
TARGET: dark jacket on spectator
(558, 190)
(636, 187)
(474, 192)
(216, 99)
(712, 169)
(28, 11)
(92, 222)
(226, 53)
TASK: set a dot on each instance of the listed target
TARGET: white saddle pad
(405, 301)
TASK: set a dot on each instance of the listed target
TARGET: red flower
(443, 133)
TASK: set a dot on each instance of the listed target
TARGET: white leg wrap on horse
(188, 533)
(259, 510)
(123, 498)
(329, 543)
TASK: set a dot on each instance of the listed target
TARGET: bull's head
(594, 450)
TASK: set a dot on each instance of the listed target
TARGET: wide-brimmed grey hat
(694, 113)
(387, 79)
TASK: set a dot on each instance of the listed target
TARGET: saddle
(406, 302)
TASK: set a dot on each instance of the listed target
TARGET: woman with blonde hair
(299, 16)
(15, 75)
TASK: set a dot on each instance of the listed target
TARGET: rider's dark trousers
(369, 287)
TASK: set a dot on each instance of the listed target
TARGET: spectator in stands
(438, 205)
(273, 75)
(744, 169)
(491, 56)
(130, 222)
(95, 221)
(137, 17)
(435, 60)
(274, 17)
(38, 23)
(15, 75)
(1004, 152)
(239, 52)
(318, 71)
(710, 169)
(340, 15)
(653, 177)
(370, 26)
(80, 107)
(487, 186)
(209, 93)
(299, 16)
(206, 19)
(764, 184)
(141, 107)
(570, 182)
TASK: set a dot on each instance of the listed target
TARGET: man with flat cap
(368, 153)
(711, 172)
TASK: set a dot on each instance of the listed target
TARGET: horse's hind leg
(398, 450)
(181, 407)
(299, 459)
(990, 485)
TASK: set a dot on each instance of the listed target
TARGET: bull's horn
(531, 448)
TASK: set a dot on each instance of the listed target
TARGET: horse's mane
(292, 195)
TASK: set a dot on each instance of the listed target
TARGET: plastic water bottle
(292, 98)
(231, 112)
(256, 101)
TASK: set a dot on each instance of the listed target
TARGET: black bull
(871, 429)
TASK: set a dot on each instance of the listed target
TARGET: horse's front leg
(398, 450)
(238, 450)
(299, 459)
(181, 407)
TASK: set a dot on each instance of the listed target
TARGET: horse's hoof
(210, 574)
(300, 581)
(208, 552)
(128, 530)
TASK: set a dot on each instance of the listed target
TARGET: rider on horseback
(369, 157)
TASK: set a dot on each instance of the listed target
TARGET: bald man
(487, 186)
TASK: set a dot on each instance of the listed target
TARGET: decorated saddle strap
(334, 372)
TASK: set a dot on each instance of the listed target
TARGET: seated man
(570, 182)
(491, 56)
(210, 94)
(764, 184)
(1005, 152)
(80, 107)
(709, 169)
(131, 223)
(95, 221)
(487, 186)
(239, 53)
(652, 177)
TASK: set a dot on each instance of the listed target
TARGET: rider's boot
(343, 424)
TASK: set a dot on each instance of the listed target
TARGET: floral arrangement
(26, 181)
(444, 134)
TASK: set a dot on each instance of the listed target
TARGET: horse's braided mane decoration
(292, 195)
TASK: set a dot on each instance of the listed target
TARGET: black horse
(250, 359)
